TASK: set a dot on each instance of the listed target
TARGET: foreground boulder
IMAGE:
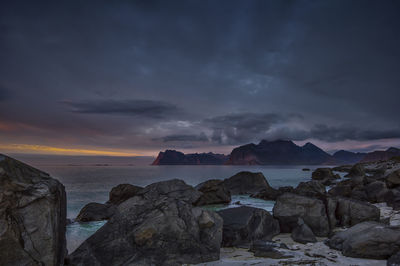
(350, 212)
(394, 260)
(213, 193)
(32, 216)
(123, 192)
(246, 224)
(290, 207)
(246, 183)
(393, 179)
(367, 240)
(271, 193)
(159, 226)
(325, 176)
(95, 212)
(356, 170)
(376, 191)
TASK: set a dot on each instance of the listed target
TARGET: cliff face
(32, 216)
(381, 155)
(172, 157)
(278, 152)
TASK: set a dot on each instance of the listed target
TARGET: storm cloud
(208, 75)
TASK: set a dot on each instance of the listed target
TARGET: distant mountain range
(273, 153)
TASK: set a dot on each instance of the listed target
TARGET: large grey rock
(95, 212)
(392, 198)
(213, 193)
(159, 226)
(246, 224)
(32, 216)
(246, 183)
(302, 233)
(356, 170)
(311, 189)
(325, 176)
(367, 240)
(393, 179)
(350, 212)
(376, 191)
(289, 207)
(122, 192)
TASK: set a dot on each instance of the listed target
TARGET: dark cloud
(332, 133)
(185, 138)
(142, 108)
(231, 69)
(241, 127)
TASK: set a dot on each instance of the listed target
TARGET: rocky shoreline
(328, 220)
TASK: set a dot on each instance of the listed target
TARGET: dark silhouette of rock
(343, 189)
(268, 249)
(159, 226)
(32, 216)
(278, 152)
(243, 225)
(95, 212)
(246, 183)
(302, 233)
(122, 192)
(305, 169)
(325, 176)
(367, 240)
(172, 157)
(290, 207)
(213, 193)
(311, 188)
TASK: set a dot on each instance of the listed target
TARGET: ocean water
(86, 184)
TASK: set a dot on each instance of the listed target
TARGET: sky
(129, 78)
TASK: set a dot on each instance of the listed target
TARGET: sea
(85, 183)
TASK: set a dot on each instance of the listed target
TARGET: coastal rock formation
(278, 152)
(95, 212)
(311, 188)
(172, 157)
(356, 170)
(246, 183)
(213, 193)
(394, 260)
(349, 212)
(246, 224)
(325, 176)
(367, 240)
(122, 192)
(32, 216)
(393, 179)
(290, 207)
(159, 226)
(376, 191)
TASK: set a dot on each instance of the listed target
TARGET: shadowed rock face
(32, 216)
(213, 193)
(290, 207)
(96, 212)
(159, 226)
(122, 192)
(244, 225)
